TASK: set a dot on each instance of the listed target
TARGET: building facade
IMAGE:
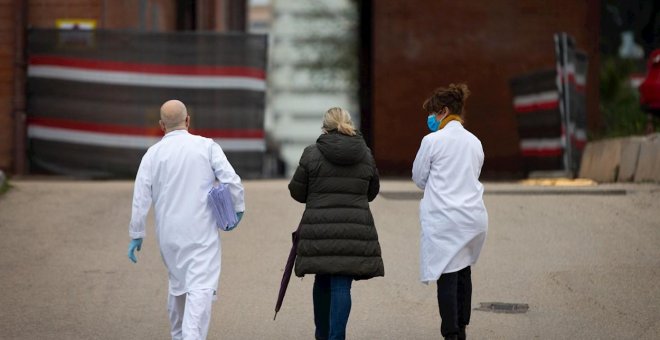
(379, 59)
(417, 46)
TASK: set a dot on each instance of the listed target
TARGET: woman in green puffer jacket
(336, 179)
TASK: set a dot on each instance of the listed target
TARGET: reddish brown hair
(452, 97)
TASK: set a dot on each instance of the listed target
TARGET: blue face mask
(433, 123)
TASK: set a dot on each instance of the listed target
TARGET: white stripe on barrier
(128, 141)
(580, 78)
(241, 144)
(578, 134)
(544, 143)
(535, 98)
(146, 79)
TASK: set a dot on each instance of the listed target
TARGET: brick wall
(160, 15)
(420, 45)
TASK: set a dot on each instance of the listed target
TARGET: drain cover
(502, 307)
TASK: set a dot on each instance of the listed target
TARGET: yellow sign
(72, 24)
(76, 33)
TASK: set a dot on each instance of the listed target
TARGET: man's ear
(187, 121)
(162, 126)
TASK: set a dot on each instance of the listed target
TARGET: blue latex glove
(136, 243)
(239, 216)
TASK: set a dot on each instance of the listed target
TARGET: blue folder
(222, 206)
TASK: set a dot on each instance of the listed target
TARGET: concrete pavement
(587, 264)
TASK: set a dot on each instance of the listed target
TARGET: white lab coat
(452, 214)
(176, 174)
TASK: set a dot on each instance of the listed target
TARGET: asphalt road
(586, 261)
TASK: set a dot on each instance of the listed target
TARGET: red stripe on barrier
(121, 66)
(578, 87)
(542, 152)
(540, 106)
(579, 143)
(140, 131)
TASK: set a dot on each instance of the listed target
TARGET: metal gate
(550, 107)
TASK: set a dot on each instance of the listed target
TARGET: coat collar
(176, 133)
(453, 123)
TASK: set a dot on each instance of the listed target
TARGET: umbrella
(287, 271)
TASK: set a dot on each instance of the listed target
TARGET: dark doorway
(185, 15)
(364, 65)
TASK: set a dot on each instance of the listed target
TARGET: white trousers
(190, 314)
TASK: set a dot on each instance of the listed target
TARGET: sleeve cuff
(239, 207)
(134, 234)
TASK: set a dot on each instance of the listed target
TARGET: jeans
(332, 305)
(454, 302)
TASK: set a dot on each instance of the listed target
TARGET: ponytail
(339, 119)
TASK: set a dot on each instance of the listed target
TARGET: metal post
(236, 16)
(20, 67)
(155, 14)
(562, 87)
(104, 7)
(568, 154)
(143, 15)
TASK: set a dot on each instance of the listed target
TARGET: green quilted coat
(336, 179)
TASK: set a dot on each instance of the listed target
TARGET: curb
(648, 164)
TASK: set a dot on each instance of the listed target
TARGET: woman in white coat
(453, 217)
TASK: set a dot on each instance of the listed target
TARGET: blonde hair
(338, 119)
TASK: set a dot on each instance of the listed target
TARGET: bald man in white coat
(176, 174)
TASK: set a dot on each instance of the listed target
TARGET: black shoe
(451, 337)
